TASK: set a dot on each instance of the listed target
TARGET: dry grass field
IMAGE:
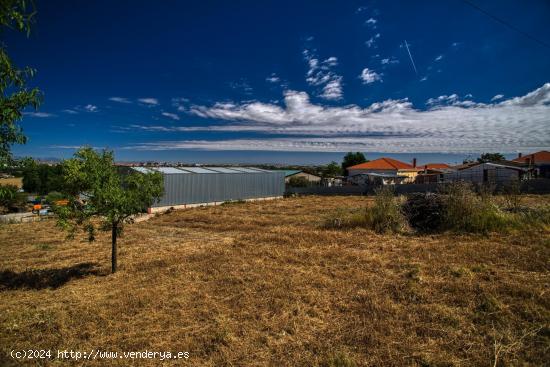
(264, 283)
(16, 181)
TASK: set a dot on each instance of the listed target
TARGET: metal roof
(142, 169)
(222, 169)
(291, 172)
(169, 170)
(200, 170)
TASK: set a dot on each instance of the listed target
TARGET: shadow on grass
(45, 278)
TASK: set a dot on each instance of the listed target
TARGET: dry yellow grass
(16, 181)
(264, 283)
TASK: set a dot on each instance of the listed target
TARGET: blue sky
(287, 81)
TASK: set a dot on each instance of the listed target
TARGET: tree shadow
(46, 278)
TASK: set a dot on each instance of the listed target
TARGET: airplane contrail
(412, 61)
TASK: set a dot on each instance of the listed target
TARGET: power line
(502, 21)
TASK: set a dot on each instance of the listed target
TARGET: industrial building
(482, 173)
(195, 186)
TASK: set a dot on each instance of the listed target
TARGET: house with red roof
(382, 171)
(539, 162)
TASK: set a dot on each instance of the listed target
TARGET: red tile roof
(382, 164)
(540, 157)
(434, 165)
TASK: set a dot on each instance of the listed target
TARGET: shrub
(465, 211)
(298, 182)
(424, 212)
(342, 219)
(385, 215)
(10, 197)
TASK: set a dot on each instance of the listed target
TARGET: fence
(534, 186)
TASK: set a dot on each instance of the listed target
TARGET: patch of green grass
(43, 246)
(339, 359)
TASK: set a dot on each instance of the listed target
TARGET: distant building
(539, 161)
(195, 186)
(382, 171)
(431, 173)
(296, 173)
(492, 173)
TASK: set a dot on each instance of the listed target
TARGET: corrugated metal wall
(192, 188)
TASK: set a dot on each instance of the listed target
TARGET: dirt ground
(264, 283)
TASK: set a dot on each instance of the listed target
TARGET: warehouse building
(186, 187)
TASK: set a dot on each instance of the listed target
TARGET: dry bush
(467, 211)
(385, 214)
(424, 212)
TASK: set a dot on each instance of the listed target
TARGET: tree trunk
(114, 228)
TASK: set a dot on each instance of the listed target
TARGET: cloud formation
(149, 101)
(450, 124)
(320, 74)
(120, 100)
(172, 116)
(90, 108)
(38, 114)
(369, 76)
(371, 42)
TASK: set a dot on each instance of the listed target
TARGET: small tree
(491, 157)
(101, 197)
(351, 159)
(332, 170)
(298, 182)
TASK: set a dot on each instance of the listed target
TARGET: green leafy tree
(298, 182)
(10, 196)
(351, 159)
(42, 178)
(491, 157)
(14, 94)
(102, 198)
(332, 169)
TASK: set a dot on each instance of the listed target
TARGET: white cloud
(90, 108)
(71, 112)
(333, 89)
(369, 76)
(453, 100)
(273, 78)
(120, 100)
(424, 79)
(371, 42)
(173, 116)
(371, 22)
(242, 85)
(38, 114)
(538, 97)
(438, 58)
(149, 101)
(331, 61)
(388, 61)
(497, 97)
(450, 125)
(320, 74)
